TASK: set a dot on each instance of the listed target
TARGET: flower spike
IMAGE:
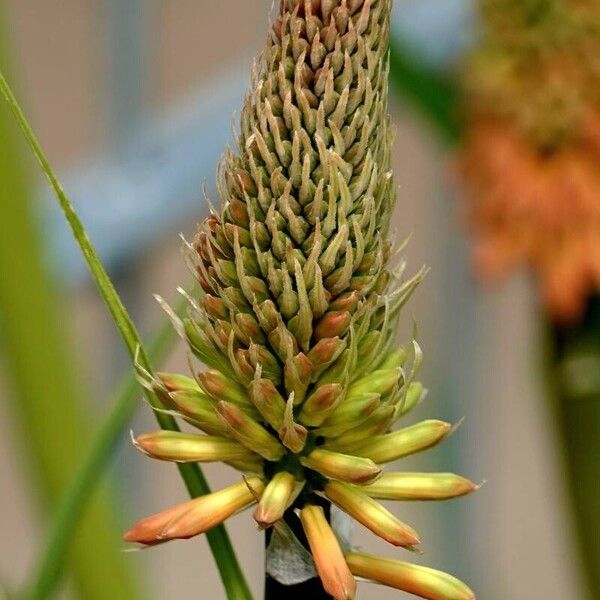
(295, 321)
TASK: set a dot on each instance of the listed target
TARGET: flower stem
(231, 574)
(574, 374)
(428, 90)
(47, 403)
(75, 498)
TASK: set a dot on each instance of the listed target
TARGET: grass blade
(231, 574)
(48, 403)
(89, 473)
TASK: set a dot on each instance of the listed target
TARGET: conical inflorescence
(297, 315)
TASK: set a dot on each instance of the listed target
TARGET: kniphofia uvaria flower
(530, 161)
(296, 318)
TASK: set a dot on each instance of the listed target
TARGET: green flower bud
(177, 383)
(419, 486)
(198, 410)
(276, 498)
(352, 469)
(268, 401)
(404, 442)
(249, 432)
(349, 414)
(320, 404)
(373, 425)
(185, 447)
(379, 382)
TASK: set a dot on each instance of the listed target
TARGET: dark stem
(574, 371)
(311, 589)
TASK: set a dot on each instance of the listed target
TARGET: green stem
(574, 373)
(48, 404)
(231, 574)
(89, 473)
(428, 90)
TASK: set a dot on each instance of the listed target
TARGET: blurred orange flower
(530, 161)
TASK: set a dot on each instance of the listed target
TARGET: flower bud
(378, 382)
(235, 298)
(319, 405)
(340, 370)
(395, 445)
(259, 355)
(332, 324)
(252, 464)
(394, 359)
(419, 486)
(268, 401)
(371, 514)
(268, 315)
(347, 301)
(283, 342)
(220, 387)
(414, 395)
(349, 414)
(327, 554)
(215, 307)
(177, 383)
(188, 447)
(248, 432)
(352, 469)
(276, 498)
(200, 410)
(324, 352)
(373, 425)
(292, 434)
(248, 329)
(297, 373)
(195, 516)
(414, 579)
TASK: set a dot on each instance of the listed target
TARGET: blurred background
(134, 101)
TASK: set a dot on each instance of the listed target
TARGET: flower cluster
(531, 156)
(297, 313)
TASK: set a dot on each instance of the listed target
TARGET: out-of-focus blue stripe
(153, 182)
(438, 30)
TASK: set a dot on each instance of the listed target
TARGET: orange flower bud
(329, 560)
(332, 324)
(195, 516)
(371, 514)
(414, 579)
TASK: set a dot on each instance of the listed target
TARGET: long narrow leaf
(47, 402)
(75, 498)
(231, 574)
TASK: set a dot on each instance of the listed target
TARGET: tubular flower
(532, 149)
(297, 310)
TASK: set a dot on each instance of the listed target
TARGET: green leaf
(231, 574)
(89, 473)
(47, 402)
